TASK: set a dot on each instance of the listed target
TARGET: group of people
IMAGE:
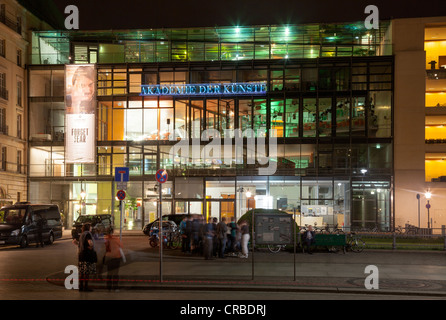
(214, 239)
(88, 258)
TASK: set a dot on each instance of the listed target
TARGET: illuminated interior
(211, 44)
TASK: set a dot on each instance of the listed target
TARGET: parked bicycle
(355, 243)
(408, 229)
(335, 229)
(171, 236)
(275, 248)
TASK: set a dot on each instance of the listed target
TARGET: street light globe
(248, 194)
(428, 195)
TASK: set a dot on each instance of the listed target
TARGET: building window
(3, 91)
(19, 161)
(19, 126)
(2, 48)
(3, 127)
(19, 57)
(19, 93)
(4, 154)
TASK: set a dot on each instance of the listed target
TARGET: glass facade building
(327, 107)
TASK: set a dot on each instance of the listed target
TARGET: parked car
(18, 223)
(100, 224)
(177, 218)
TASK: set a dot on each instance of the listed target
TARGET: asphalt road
(38, 274)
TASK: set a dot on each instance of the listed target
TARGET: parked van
(18, 223)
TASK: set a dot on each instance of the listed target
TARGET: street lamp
(418, 197)
(428, 195)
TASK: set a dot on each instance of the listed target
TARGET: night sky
(139, 14)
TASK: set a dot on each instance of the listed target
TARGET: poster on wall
(80, 108)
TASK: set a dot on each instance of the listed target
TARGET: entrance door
(220, 208)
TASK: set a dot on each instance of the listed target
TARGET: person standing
(87, 257)
(208, 236)
(232, 236)
(222, 230)
(182, 228)
(245, 238)
(113, 248)
(39, 221)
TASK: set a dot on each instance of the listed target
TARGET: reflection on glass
(325, 114)
(309, 117)
(259, 117)
(196, 117)
(342, 117)
(358, 116)
(277, 117)
(245, 114)
(292, 118)
(181, 131)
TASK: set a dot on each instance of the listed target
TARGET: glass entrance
(219, 209)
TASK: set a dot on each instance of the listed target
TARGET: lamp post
(418, 197)
(428, 195)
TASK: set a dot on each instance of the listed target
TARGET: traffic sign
(120, 195)
(121, 185)
(121, 174)
(161, 175)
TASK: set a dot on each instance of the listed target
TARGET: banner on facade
(80, 108)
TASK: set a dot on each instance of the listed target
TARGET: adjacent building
(15, 23)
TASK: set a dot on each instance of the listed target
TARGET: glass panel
(309, 79)
(380, 114)
(134, 124)
(292, 79)
(358, 116)
(260, 117)
(150, 124)
(196, 118)
(325, 115)
(245, 114)
(226, 116)
(181, 128)
(309, 117)
(342, 117)
(292, 118)
(212, 114)
(277, 117)
(166, 123)
(276, 80)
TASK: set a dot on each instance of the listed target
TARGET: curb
(136, 283)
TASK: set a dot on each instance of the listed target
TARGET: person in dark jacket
(87, 257)
(308, 238)
(40, 222)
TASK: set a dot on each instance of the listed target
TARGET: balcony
(11, 24)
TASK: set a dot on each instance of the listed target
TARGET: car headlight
(15, 233)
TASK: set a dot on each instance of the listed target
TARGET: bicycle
(335, 230)
(275, 248)
(355, 243)
(409, 229)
